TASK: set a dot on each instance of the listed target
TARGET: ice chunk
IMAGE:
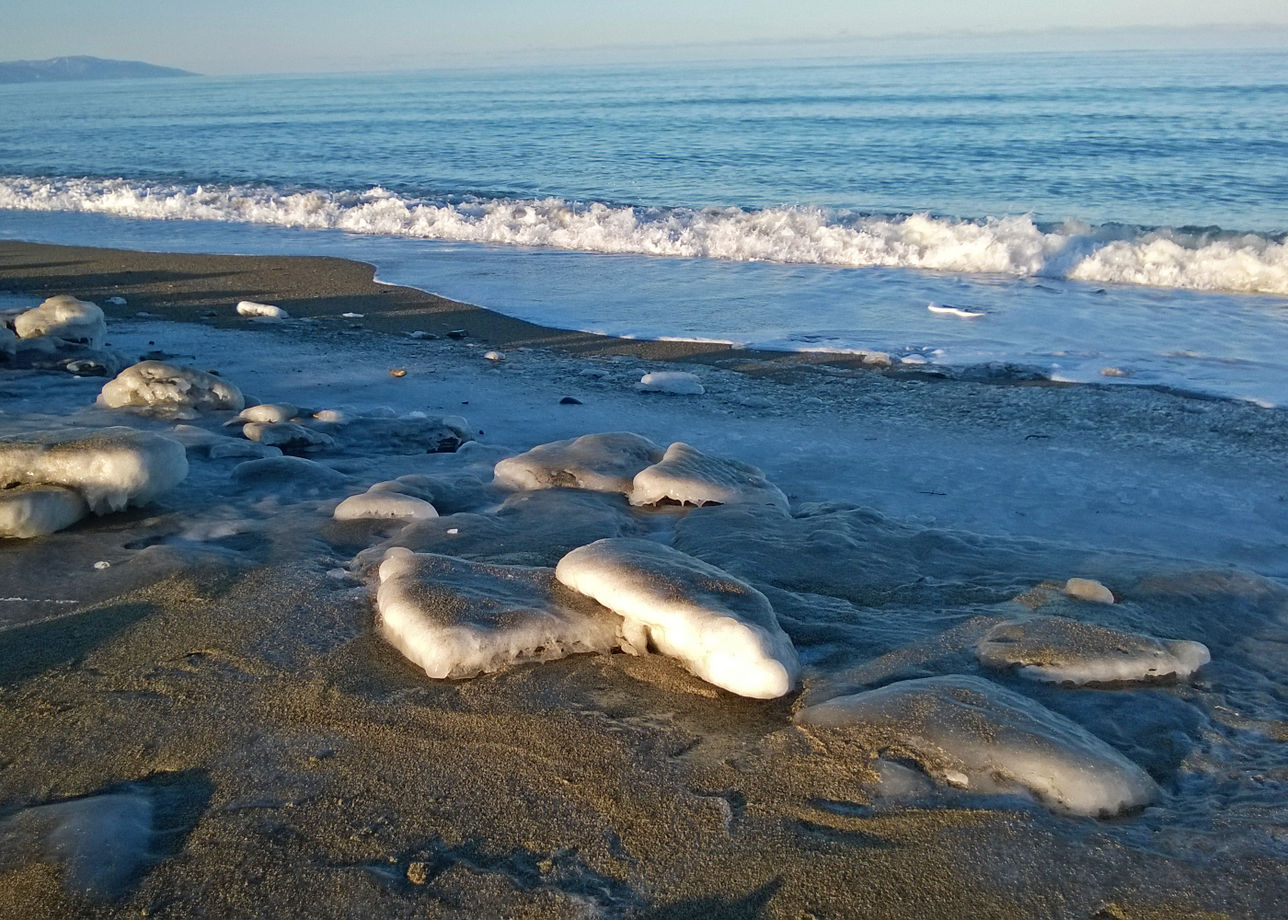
(1088, 589)
(110, 468)
(268, 413)
(101, 841)
(677, 383)
(457, 619)
(36, 510)
(1062, 650)
(720, 628)
(64, 317)
(605, 462)
(690, 477)
(287, 435)
(261, 310)
(384, 503)
(410, 434)
(161, 385)
(972, 733)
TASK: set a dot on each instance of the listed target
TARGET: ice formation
(973, 734)
(261, 310)
(267, 413)
(690, 477)
(720, 628)
(457, 619)
(287, 476)
(677, 383)
(384, 503)
(36, 510)
(102, 842)
(605, 462)
(109, 468)
(1088, 589)
(1062, 650)
(156, 384)
(64, 317)
(287, 436)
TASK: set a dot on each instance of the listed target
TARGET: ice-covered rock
(720, 628)
(287, 436)
(109, 468)
(1088, 589)
(256, 310)
(157, 384)
(64, 317)
(266, 413)
(606, 462)
(677, 383)
(36, 510)
(973, 734)
(1062, 650)
(457, 619)
(384, 504)
(102, 842)
(690, 477)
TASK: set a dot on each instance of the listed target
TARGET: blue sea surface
(1104, 212)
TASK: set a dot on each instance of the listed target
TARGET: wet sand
(298, 766)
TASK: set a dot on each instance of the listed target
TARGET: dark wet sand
(299, 767)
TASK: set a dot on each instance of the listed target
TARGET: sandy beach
(294, 764)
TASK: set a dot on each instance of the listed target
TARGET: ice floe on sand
(606, 462)
(689, 477)
(255, 310)
(107, 468)
(457, 619)
(64, 317)
(973, 734)
(160, 385)
(719, 627)
(1063, 650)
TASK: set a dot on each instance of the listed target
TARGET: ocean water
(1110, 217)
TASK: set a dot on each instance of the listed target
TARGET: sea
(1108, 217)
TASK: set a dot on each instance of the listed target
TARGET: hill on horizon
(82, 67)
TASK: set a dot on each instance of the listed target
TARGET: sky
(274, 36)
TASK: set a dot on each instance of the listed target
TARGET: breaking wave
(1200, 260)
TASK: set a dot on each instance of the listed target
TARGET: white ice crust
(677, 383)
(1062, 650)
(720, 628)
(157, 384)
(384, 503)
(64, 317)
(109, 468)
(606, 462)
(268, 413)
(690, 477)
(36, 510)
(974, 734)
(458, 619)
(261, 310)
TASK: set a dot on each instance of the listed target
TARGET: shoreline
(227, 669)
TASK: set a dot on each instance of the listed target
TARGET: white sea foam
(1012, 245)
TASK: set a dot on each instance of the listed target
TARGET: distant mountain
(82, 67)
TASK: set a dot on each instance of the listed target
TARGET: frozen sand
(227, 653)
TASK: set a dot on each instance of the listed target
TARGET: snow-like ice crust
(690, 477)
(101, 841)
(64, 317)
(261, 310)
(384, 502)
(36, 510)
(719, 627)
(974, 734)
(458, 619)
(157, 384)
(606, 462)
(677, 383)
(1062, 650)
(109, 468)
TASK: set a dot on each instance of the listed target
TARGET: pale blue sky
(321, 35)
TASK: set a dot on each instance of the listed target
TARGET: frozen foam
(261, 310)
(719, 627)
(156, 384)
(1062, 650)
(973, 734)
(690, 477)
(605, 462)
(458, 619)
